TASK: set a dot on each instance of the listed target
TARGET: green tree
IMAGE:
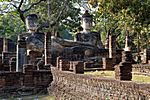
(61, 13)
(10, 26)
(128, 15)
(12, 16)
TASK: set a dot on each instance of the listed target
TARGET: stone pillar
(107, 44)
(123, 71)
(5, 49)
(21, 55)
(5, 45)
(107, 41)
(47, 48)
(112, 48)
(127, 43)
(145, 56)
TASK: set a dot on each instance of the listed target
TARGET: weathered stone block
(124, 69)
(107, 63)
(64, 65)
(78, 67)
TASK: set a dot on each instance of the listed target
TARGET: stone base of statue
(123, 71)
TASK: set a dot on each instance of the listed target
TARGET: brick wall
(9, 82)
(67, 85)
(12, 82)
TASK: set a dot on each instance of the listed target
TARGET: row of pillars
(21, 56)
(22, 51)
(111, 45)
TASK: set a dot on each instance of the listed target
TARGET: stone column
(5, 49)
(123, 71)
(5, 45)
(21, 54)
(145, 57)
(127, 43)
(107, 41)
(47, 48)
(112, 48)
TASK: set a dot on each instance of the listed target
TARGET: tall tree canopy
(131, 16)
(62, 13)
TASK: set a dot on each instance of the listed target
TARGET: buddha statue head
(31, 22)
(87, 20)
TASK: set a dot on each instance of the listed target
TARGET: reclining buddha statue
(86, 43)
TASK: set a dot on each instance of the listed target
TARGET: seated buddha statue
(85, 34)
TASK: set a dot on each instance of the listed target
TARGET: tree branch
(14, 5)
(21, 12)
(33, 4)
(20, 4)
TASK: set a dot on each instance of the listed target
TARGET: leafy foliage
(10, 26)
(128, 15)
(62, 14)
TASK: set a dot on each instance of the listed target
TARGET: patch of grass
(47, 98)
(111, 74)
(141, 78)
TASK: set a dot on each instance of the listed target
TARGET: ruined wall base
(17, 83)
(70, 86)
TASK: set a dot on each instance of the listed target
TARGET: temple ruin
(27, 67)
